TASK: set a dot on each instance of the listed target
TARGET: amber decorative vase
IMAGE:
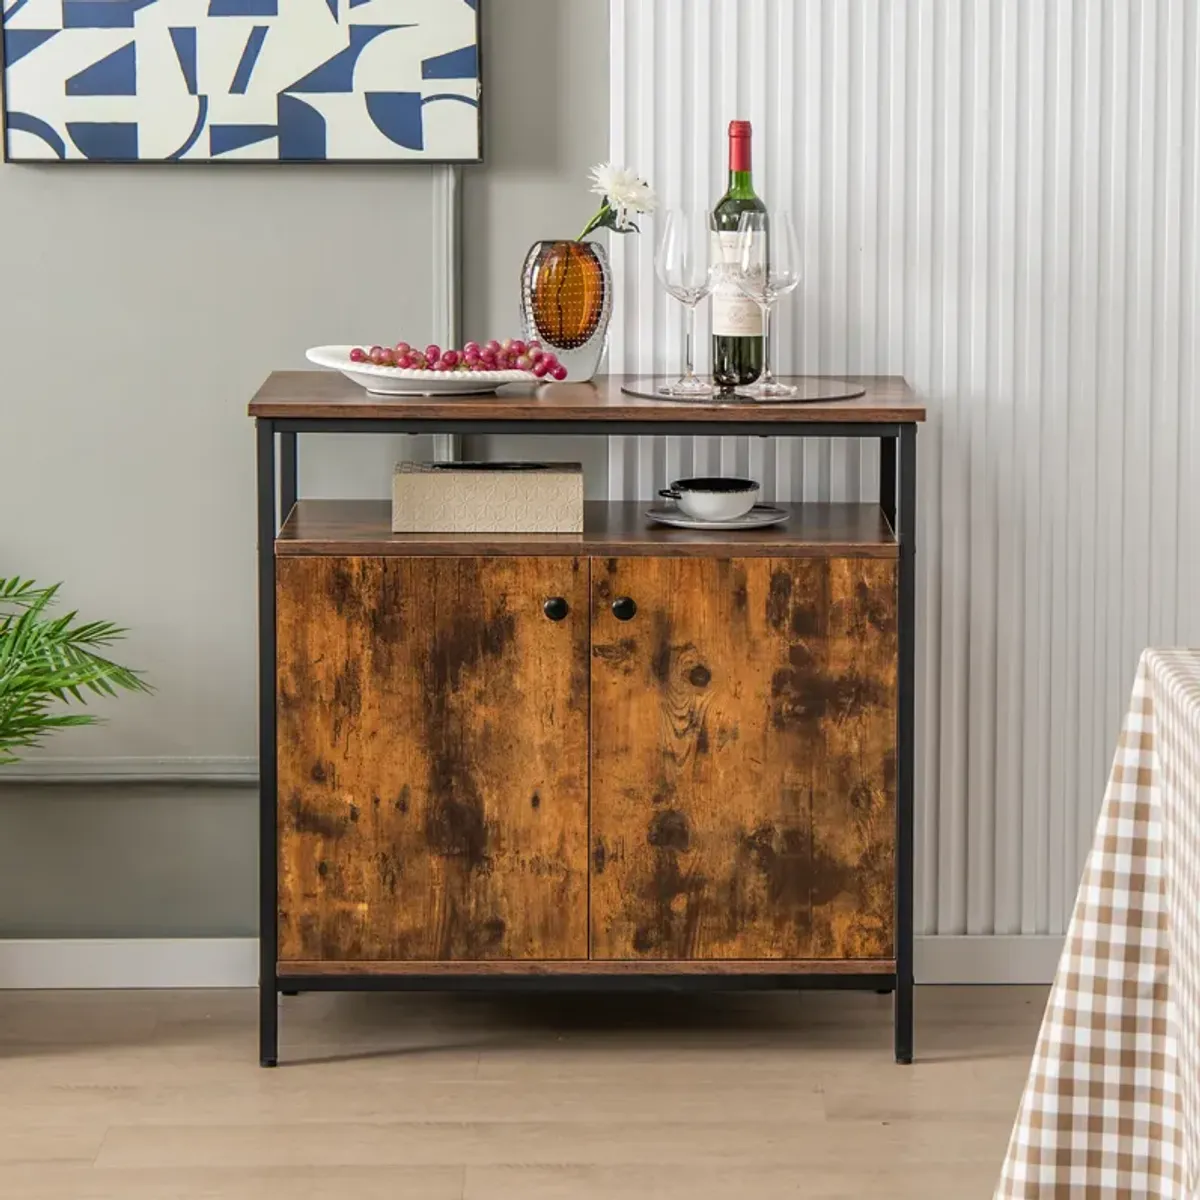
(566, 303)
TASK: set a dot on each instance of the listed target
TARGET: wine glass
(767, 267)
(684, 267)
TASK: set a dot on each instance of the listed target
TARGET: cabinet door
(743, 759)
(432, 759)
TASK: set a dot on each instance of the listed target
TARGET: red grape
(493, 346)
(506, 345)
(519, 347)
(524, 363)
(451, 357)
(471, 348)
(559, 372)
(540, 369)
(534, 345)
(402, 348)
(535, 356)
(358, 354)
(376, 355)
(432, 354)
(405, 362)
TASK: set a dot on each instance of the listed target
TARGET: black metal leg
(906, 745)
(288, 474)
(887, 478)
(268, 999)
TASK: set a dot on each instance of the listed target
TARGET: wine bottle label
(734, 314)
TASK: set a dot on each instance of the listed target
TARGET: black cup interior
(715, 483)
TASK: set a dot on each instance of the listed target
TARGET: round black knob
(556, 608)
(624, 609)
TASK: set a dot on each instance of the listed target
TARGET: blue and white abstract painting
(246, 80)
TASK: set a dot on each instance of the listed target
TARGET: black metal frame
(279, 486)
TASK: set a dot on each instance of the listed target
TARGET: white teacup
(714, 498)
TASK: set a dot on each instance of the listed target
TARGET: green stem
(596, 221)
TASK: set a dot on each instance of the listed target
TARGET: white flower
(613, 183)
(623, 194)
(623, 190)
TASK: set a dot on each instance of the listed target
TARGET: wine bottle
(736, 319)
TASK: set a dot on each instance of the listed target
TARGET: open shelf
(814, 530)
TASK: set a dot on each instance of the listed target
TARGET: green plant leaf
(19, 593)
(48, 660)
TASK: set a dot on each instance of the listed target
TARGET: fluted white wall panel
(997, 200)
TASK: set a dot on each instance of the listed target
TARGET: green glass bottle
(736, 319)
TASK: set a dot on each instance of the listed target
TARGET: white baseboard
(132, 770)
(233, 962)
(129, 963)
(987, 959)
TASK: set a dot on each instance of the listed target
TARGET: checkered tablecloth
(1112, 1104)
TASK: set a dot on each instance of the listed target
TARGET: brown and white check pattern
(1112, 1104)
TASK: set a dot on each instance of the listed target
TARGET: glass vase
(566, 303)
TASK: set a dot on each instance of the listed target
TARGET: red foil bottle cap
(739, 145)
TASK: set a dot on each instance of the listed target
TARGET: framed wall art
(242, 80)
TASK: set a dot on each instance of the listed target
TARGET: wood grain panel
(324, 395)
(432, 759)
(743, 759)
(600, 967)
(358, 527)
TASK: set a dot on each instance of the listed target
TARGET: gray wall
(112, 860)
(546, 69)
(142, 307)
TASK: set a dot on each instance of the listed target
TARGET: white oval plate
(759, 517)
(391, 381)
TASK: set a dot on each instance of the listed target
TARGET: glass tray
(813, 389)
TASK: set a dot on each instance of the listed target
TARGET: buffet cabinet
(633, 755)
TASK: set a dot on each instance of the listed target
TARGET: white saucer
(759, 517)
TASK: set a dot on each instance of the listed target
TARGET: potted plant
(567, 285)
(46, 661)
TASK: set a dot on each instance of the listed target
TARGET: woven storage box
(487, 498)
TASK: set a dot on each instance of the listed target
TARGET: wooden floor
(158, 1096)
